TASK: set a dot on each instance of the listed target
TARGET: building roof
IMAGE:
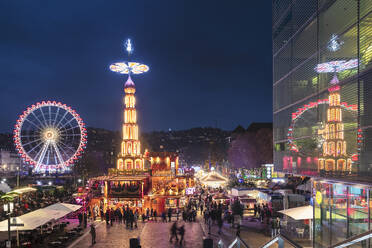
(129, 83)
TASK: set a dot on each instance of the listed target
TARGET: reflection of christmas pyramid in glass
(334, 156)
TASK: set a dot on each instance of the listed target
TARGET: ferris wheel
(50, 136)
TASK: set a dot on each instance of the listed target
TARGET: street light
(79, 180)
(8, 207)
(17, 176)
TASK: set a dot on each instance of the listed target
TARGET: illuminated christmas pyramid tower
(334, 157)
(130, 157)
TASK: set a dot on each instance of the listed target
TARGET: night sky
(210, 61)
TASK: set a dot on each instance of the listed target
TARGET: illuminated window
(332, 131)
(120, 164)
(129, 148)
(128, 164)
(138, 164)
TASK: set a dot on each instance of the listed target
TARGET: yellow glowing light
(50, 134)
(130, 67)
(319, 197)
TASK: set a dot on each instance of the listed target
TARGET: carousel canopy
(213, 179)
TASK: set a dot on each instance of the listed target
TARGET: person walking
(255, 210)
(181, 231)
(238, 230)
(277, 226)
(112, 216)
(163, 217)
(155, 216)
(220, 223)
(169, 214)
(273, 228)
(177, 213)
(136, 214)
(80, 217)
(93, 233)
(102, 214)
(131, 218)
(85, 220)
(107, 215)
(147, 213)
(173, 232)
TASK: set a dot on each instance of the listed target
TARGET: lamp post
(8, 207)
(17, 176)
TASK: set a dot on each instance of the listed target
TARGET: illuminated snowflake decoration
(334, 44)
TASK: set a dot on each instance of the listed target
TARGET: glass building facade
(322, 108)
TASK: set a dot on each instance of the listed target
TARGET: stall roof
(39, 217)
(299, 213)
(23, 190)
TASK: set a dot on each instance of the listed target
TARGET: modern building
(322, 109)
(9, 161)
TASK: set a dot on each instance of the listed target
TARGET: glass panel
(358, 211)
(339, 214)
(322, 220)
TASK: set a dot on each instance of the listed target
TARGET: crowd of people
(32, 201)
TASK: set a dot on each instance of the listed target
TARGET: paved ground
(152, 235)
(156, 235)
(108, 236)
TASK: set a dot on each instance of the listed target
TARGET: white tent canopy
(39, 217)
(63, 207)
(24, 190)
(299, 213)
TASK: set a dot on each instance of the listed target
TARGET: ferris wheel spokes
(35, 147)
(66, 146)
(74, 127)
(32, 141)
(34, 124)
(65, 124)
(55, 118)
(63, 117)
(42, 155)
(41, 123)
(42, 114)
(62, 162)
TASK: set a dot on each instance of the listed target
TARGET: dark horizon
(208, 65)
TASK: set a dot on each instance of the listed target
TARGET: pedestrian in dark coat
(112, 216)
(80, 217)
(93, 233)
(107, 216)
(181, 231)
(173, 232)
(169, 214)
(155, 215)
(85, 220)
(220, 223)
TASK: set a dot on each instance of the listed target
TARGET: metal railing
(279, 239)
(237, 243)
(353, 240)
